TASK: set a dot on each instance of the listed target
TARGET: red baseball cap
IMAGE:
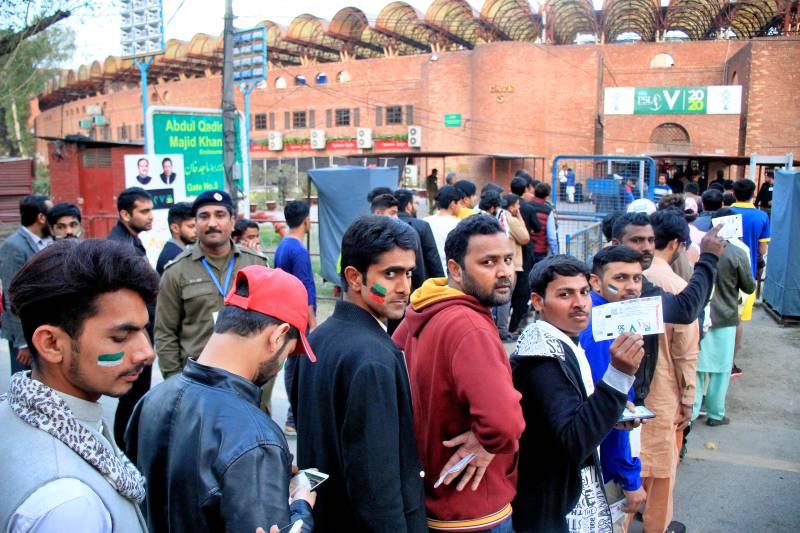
(278, 294)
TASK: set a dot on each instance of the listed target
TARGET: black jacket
(213, 460)
(168, 253)
(354, 422)
(430, 254)
(681, 308)
(121, 233)
(563, 429)
(534, 226)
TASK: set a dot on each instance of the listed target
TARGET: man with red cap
(212, 459)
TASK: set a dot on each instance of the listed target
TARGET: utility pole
(228, 106)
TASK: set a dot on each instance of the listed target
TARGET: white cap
(642, 205)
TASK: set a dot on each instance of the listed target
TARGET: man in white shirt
(445, 219)
(83, 309)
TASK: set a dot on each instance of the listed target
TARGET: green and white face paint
(612, 289)
(110, 359)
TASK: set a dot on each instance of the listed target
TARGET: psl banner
(711, 100)
(164, 178)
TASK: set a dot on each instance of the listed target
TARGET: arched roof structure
(446, 24)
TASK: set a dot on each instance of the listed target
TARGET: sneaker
(713, 422)
(702, 411)
(736, 372)
(676, 527)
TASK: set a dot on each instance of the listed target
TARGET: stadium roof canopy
(400, 29)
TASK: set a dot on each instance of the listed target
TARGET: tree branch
(10, 42)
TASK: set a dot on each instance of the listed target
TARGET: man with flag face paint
(352, 407)
(64, 220)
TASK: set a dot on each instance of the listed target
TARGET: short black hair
(369, 237)
(712, 200)
(546, 270)
(510, 199)
(723, 212)
(628, 219)
(466, 187)
(165, 160)
(447, 195)
(692, 187)
(720, 174)
(489, 199)
(668, 225)
(179, 212)
(491, 187)
(717, 186)
(743, 190)
(728, 185)
(457, 243)
(60, 285)
(64, 209)
(140, 160)
(608, 224)
(542, 190)
(377, 191)
(241, 225)
(30, 207)
(246, 322)
(383, 201)
(128, 197)
(295, 212)
(728, 199)
(404, 197)
(677, 200)
(518, 185)
(613, 254)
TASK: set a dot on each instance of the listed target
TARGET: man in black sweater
(353, 406)
(407, 212)
(522, 186)
(560, 485)
(634, 231)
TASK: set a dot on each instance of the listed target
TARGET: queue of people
(404, 398)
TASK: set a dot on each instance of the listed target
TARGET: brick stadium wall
(514, 97)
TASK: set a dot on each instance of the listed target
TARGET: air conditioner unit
(415, 137)
(275, 142)
(99, 120)
(318, 139)
(410, 175)
(85, 123)
(364, 137)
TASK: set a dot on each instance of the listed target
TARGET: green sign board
(452, 120)
(670, 100)
(199, 138)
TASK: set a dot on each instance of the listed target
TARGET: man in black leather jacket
(634, 231)
(213, 460)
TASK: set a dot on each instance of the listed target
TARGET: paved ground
(741, 477)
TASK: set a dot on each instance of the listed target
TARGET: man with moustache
(64, 220)
(635, 231)
(194, 285)
(461, 384)
(352, 407)
(560, 484)
(232, 474)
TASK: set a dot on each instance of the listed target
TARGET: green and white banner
(710, 100)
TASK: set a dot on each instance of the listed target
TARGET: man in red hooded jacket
(461, 385)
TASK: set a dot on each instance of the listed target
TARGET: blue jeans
(505, 526)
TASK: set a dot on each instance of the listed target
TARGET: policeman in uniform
(195, 283)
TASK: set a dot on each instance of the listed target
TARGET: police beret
(212, 198)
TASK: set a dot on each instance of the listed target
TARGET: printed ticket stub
(732, 227)
(643, 316)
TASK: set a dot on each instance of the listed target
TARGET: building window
(280, 82)
(670, 137)
(261, 121)
(141, 131)
(343, 77)
(394, 114)
(299, 120)
(342, 117)
(122, 132)
(662, 61)
(105, 133)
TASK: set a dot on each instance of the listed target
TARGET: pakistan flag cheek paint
(110, 359)
(378, 293)
(612, 289)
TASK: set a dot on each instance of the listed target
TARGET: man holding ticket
(560, 485)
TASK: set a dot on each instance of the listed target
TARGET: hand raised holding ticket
(627, 351)
(712, 243)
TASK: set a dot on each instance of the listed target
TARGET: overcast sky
(98, 35)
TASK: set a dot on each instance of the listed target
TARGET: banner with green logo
(710, 100)
(197, 135)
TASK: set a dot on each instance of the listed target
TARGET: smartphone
(640, 411)
(315, 477)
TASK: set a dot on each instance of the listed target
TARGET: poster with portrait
(161, 175)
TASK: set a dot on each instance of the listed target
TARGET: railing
(586, 242)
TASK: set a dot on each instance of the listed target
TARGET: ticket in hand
(643, 316)
(731, 229)
(455, 468)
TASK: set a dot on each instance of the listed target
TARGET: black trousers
(128, 402)
(520, 299)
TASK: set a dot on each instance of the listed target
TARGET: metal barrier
(602, 184)
(585, 243)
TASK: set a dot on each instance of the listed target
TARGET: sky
(97, 35)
